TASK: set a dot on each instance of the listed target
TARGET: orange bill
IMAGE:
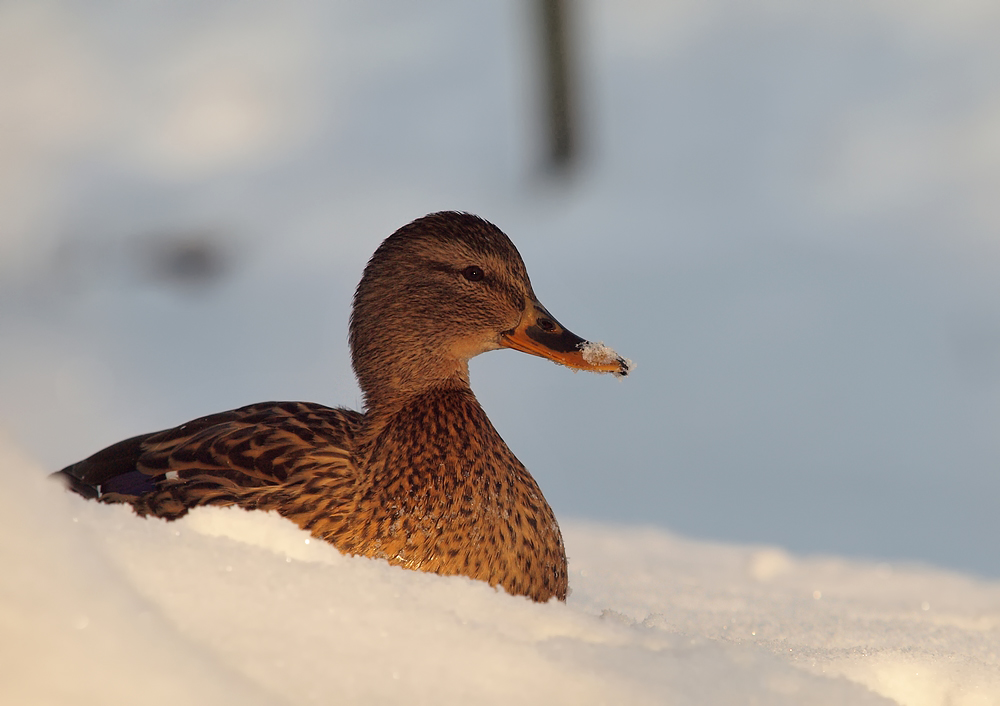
(538, 333)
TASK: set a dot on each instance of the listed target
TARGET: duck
(420, 477)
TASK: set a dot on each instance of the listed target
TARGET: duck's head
(441, 290)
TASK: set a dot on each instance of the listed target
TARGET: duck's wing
(244, 457)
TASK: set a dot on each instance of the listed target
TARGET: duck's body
(421, 479)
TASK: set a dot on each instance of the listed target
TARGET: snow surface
(227, 606)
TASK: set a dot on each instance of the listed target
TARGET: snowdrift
(226, 606)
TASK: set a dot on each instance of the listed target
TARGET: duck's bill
(540, 334)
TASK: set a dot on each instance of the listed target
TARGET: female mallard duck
(422, 478)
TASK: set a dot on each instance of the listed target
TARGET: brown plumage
(421, 479)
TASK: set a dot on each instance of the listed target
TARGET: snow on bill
(600, 354)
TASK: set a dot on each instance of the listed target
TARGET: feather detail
(221, 459)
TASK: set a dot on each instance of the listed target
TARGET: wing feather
(244, 456)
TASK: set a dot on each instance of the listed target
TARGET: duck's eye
(473, 273)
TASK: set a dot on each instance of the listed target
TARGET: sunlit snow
(227, 606)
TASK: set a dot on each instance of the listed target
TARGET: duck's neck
(441, 437)
(392, 388)
(429, 418)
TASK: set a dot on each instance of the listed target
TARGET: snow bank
(917, 635)
(73, 629)
(101, 607)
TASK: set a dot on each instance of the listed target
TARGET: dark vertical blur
(557, 73)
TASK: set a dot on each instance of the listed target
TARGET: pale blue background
(786, 213)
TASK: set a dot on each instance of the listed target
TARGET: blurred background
(786, 213)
